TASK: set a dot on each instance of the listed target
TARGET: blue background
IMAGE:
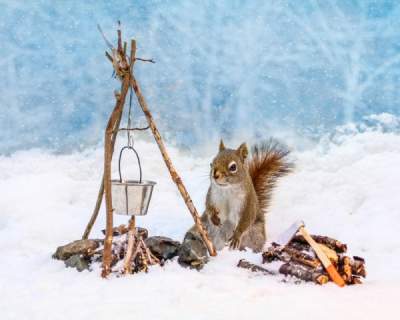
(223, 67)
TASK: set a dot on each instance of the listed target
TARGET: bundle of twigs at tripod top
(299, 261)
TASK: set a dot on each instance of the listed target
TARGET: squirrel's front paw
(234, 241)
(216, 220)
(215, 216)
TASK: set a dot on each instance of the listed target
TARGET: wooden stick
(129, 249)
(116, 126)
(174, 174)
(358, 266)
(345, 269)
(107, 175)
(243, 263)
(100, 194)
(288, 254)
(303, 273)
(334, 244)
(301, 257)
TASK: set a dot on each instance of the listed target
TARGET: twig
(174, 174)
(145, 60)
(108, 43)
(129, 250)
(134, 129)
(243, 263)
(100, 194)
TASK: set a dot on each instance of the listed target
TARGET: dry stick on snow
(243, 263)
(174, 174)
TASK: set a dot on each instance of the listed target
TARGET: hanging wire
(129, 135)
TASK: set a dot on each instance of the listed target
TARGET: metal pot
(131, 197)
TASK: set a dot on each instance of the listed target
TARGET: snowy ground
(348, 190)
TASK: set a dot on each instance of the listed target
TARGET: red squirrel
(237, 199)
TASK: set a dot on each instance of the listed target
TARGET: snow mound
(346, 189)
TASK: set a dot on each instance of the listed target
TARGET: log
(289, 254)
(355, 280)
(331, 243)
(303, 273)
(302, 258)
(300, 246)
(123, 229)
(344, 269)
(273, 253)
(356, 265)
(243, 263)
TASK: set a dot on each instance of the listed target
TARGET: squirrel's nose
(217, 174)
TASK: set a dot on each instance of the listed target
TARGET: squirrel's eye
(232, 167)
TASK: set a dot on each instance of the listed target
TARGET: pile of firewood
(130, 254)
(132, 251)
(299, 260)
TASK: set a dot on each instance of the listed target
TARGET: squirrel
(237, 199)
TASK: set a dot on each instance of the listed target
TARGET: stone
(193, 252)
(78, 262)
(163, 248)
(123, 229)
(84, 247)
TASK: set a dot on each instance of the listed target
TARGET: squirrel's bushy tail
(268, 162)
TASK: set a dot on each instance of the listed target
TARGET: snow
(346, 189)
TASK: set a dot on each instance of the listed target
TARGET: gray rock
(83, 247)
(193, 252)
(123, 229)
(78, 262)
(162, 247)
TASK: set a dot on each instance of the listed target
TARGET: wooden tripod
(123, 68)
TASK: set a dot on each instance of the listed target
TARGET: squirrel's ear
(221, 145)
(243, 151)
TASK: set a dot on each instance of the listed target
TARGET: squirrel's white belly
(229, 201)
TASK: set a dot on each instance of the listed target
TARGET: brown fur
(268, 162)
(252, 182)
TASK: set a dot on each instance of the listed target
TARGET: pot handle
(138, 160)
